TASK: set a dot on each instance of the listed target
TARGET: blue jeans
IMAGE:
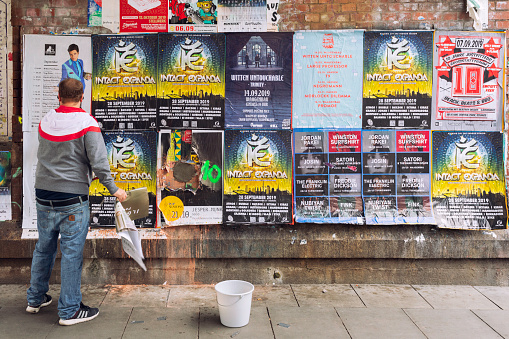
(71, 223)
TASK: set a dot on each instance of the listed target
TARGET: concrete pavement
(279, 311)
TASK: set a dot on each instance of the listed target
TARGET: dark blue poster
(328, 176)
(258, 80)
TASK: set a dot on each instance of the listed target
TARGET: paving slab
(192, 296)
(337, 295)
(394, 296)
(137, 295)
(259, 325)
(454, 297)
(365, 323)
(450, 324)
(273, 295)
(497, 294)
(496, 319)
(93, 295)
(16, 295)
(15, 322)
(110, 323)
(306, 322)
(163, 322)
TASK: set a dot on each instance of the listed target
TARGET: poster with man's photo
(327, 79)
(47, 60)
(191, 81)
(132, 157)
(468, 81)
(124, 83)
(469, 190)
(398, 74)
(328, 175)
(259, 80)
(396, 182)
(257, 177)
(190, 177)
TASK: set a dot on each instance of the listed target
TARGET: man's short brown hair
(70, 90)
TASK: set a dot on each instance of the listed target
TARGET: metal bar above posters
(398, 74)
(259, 80)
(468, 80)
(469, 180)
(124, 83)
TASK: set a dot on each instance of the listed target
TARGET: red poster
(412, 141)
(140, 16)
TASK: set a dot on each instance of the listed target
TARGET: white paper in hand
(131, 241)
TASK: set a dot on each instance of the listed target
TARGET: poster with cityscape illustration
(124, 81)
(398, 74)
(191, 81)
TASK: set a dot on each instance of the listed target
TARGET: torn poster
(327, 79)
(190, 177)
(468, 81)
(469, 190)
(259, 80)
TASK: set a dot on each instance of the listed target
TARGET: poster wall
(245, 16)
(328, 176)
(191, 81)
(47, 61)
(143, 16)
(190, 177)
(124, 84)
(259, 80)
(257, 177)
(396, 182)
(468, 180)
(327, 79)
(468, 81)
(398, 74)
(132, 157)
(192, 16)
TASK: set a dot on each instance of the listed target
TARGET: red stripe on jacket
(67, 137)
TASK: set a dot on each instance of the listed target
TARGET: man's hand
(120, 194)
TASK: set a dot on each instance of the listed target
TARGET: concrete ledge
(287, 241)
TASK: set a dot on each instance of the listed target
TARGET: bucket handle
(230, 304)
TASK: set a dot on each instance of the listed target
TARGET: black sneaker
(45, 302)
(85, 313)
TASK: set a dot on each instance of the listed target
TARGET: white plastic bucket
(234, 301)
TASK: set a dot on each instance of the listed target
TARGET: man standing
(71, 146)
(73, 68)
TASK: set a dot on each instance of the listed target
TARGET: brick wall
(70, 16)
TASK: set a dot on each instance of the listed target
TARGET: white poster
(48, 59)
(30, 146)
